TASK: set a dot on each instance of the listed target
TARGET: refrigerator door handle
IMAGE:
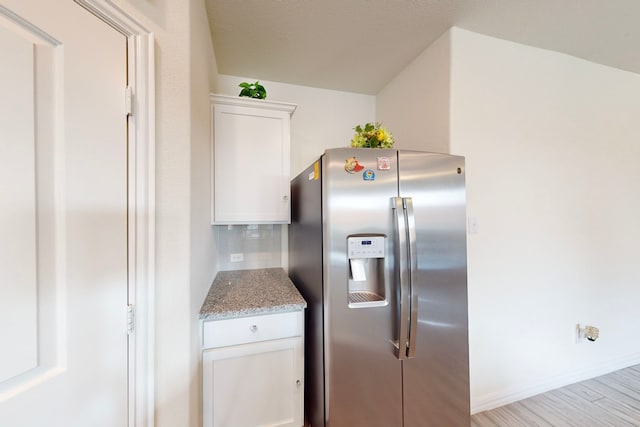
(413, 277)
(401, 261)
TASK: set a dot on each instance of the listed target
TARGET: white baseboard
(513, 394)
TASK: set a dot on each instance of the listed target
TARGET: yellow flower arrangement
(373, 135)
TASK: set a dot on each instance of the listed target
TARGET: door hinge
(128, 101)
(130, 319)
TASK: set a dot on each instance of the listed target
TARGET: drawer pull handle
(253, 328)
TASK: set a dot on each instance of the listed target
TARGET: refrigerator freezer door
(363, 378)
(436, 378)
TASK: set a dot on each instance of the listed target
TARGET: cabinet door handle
(298, 383)
(253, 328)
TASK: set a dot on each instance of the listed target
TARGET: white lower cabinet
(259, 382)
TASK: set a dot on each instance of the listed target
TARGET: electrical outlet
(586, 332)
(237, 257)
(591, 333)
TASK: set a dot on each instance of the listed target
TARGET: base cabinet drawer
(241, 330)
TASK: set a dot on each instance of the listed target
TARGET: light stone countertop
(241, 293)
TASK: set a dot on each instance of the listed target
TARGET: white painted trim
(253, 103)
(141, 239)
(28, 27)
(523, 391)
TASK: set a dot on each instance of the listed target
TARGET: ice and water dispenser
(366, 285)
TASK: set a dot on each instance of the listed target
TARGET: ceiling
(360, 45)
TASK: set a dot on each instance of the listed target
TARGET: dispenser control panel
(366, 246)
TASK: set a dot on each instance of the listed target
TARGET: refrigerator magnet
(351, 165)
(384, 164)
(369, 175)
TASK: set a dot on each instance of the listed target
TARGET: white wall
(414, 106)
(551, 145)
(552, 148)
(203, 250)
(185, 254)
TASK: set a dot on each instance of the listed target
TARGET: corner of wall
(203, 76)
(415, 104)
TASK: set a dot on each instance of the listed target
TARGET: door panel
(18, 305)
(256, 384)
(63, 212)
(436, 380)
(363, 386)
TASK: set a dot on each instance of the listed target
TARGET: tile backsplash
(249, 246)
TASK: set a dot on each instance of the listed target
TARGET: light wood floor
(610, 400)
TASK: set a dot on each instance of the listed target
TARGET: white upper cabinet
(251, 161)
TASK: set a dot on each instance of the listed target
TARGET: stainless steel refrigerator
(377, 247)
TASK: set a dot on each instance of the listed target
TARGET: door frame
(141, 208)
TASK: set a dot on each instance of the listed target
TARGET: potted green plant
(253, 90)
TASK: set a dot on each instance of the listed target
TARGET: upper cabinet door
(251, 160)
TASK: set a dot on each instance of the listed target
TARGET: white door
(63, 217)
